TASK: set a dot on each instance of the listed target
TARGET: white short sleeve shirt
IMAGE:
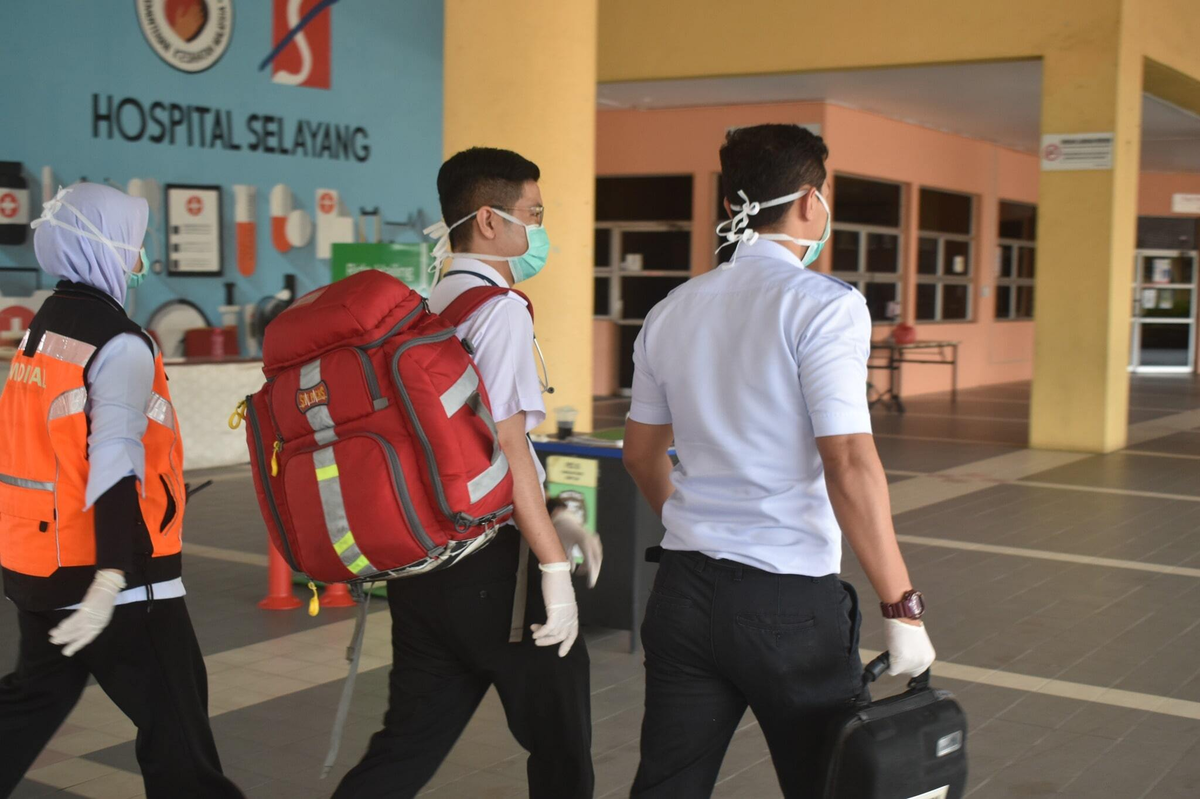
(750, 364)
(501, 333)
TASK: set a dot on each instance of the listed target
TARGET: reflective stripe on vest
(333, 506)
(65, 348)
(67, 403)
(20, 482)
(159, 410)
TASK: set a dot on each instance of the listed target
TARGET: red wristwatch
(910, 606)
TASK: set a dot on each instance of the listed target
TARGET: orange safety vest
(47, 539)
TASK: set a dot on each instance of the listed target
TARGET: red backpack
(372, 443)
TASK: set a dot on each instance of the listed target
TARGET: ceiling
(996, 101)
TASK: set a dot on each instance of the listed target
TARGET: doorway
(1163, 336)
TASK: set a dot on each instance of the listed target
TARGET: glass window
(603, 247)
(866, 202)
(883, 252)
(956, 257)
(1024, 305)
(661, 250)
(944, 212)
(1025, 261)
(879, 296)
(1018, 221)
(1004, 302)
(945, 259)
(650, 198)
(867, 241)
(927, 301)
(927, 256)
(955, 301)
(1167, 233)
(845, 250)
(1004, 266)
(1017, 256)
(601, 304)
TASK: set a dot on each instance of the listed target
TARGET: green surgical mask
(523, 267)
(537, 249)
(134, 279)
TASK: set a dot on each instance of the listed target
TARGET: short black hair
(769, 161)
(477, 177)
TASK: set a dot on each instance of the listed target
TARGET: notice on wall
(1160, 270)
(193, 230)
(408, 263)
(1185, 203)
(1068, 151)
(1149, 299)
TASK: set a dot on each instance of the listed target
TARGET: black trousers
(450, 634)
(148, 662)
(720, 636)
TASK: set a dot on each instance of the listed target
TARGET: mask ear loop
(51, 207)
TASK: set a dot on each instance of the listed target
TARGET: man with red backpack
(461, 630)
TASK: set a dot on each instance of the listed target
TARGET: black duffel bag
(909, 746)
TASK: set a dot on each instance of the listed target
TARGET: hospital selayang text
(212, 128)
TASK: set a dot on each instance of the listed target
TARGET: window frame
(1014, 282)
(940, 279)
(861, 275)
(616, 276)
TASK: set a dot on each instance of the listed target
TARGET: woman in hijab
(91, 511)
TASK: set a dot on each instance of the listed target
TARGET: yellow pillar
(522, 76)
(1086, 236)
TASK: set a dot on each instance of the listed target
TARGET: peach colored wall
(605, 342)
(686, 141)
(1155, 190)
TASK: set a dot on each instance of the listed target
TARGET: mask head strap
(52, 207)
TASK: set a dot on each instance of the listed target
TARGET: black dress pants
(450, 633)
(719, 637)
(148, 662)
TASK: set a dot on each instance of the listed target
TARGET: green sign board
(410, 263)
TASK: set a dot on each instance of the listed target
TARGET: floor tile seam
(1065, 689)
(1037, 554)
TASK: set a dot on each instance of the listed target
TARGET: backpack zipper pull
(275, 461)
(314, 604)
(238, 416)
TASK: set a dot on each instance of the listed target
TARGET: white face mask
(739, 229)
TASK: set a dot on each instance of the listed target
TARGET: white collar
(458, 264)
(765, 248)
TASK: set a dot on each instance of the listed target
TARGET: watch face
(914, 605)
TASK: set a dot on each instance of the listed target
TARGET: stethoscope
(544, 378)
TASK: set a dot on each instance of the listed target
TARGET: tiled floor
(1080, 677)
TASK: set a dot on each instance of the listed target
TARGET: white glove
(909, 646)
(95, 612)
(562, 614)
(573, 534)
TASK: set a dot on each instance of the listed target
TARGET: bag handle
(876, 668)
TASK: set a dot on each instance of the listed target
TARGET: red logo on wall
(301, 39)
(1052, 152)
(195, 205)
(326, 203)
(9, 205)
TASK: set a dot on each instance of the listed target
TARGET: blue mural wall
(66, 58)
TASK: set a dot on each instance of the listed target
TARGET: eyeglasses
(538, 212)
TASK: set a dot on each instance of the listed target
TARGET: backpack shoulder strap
(473, 299)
